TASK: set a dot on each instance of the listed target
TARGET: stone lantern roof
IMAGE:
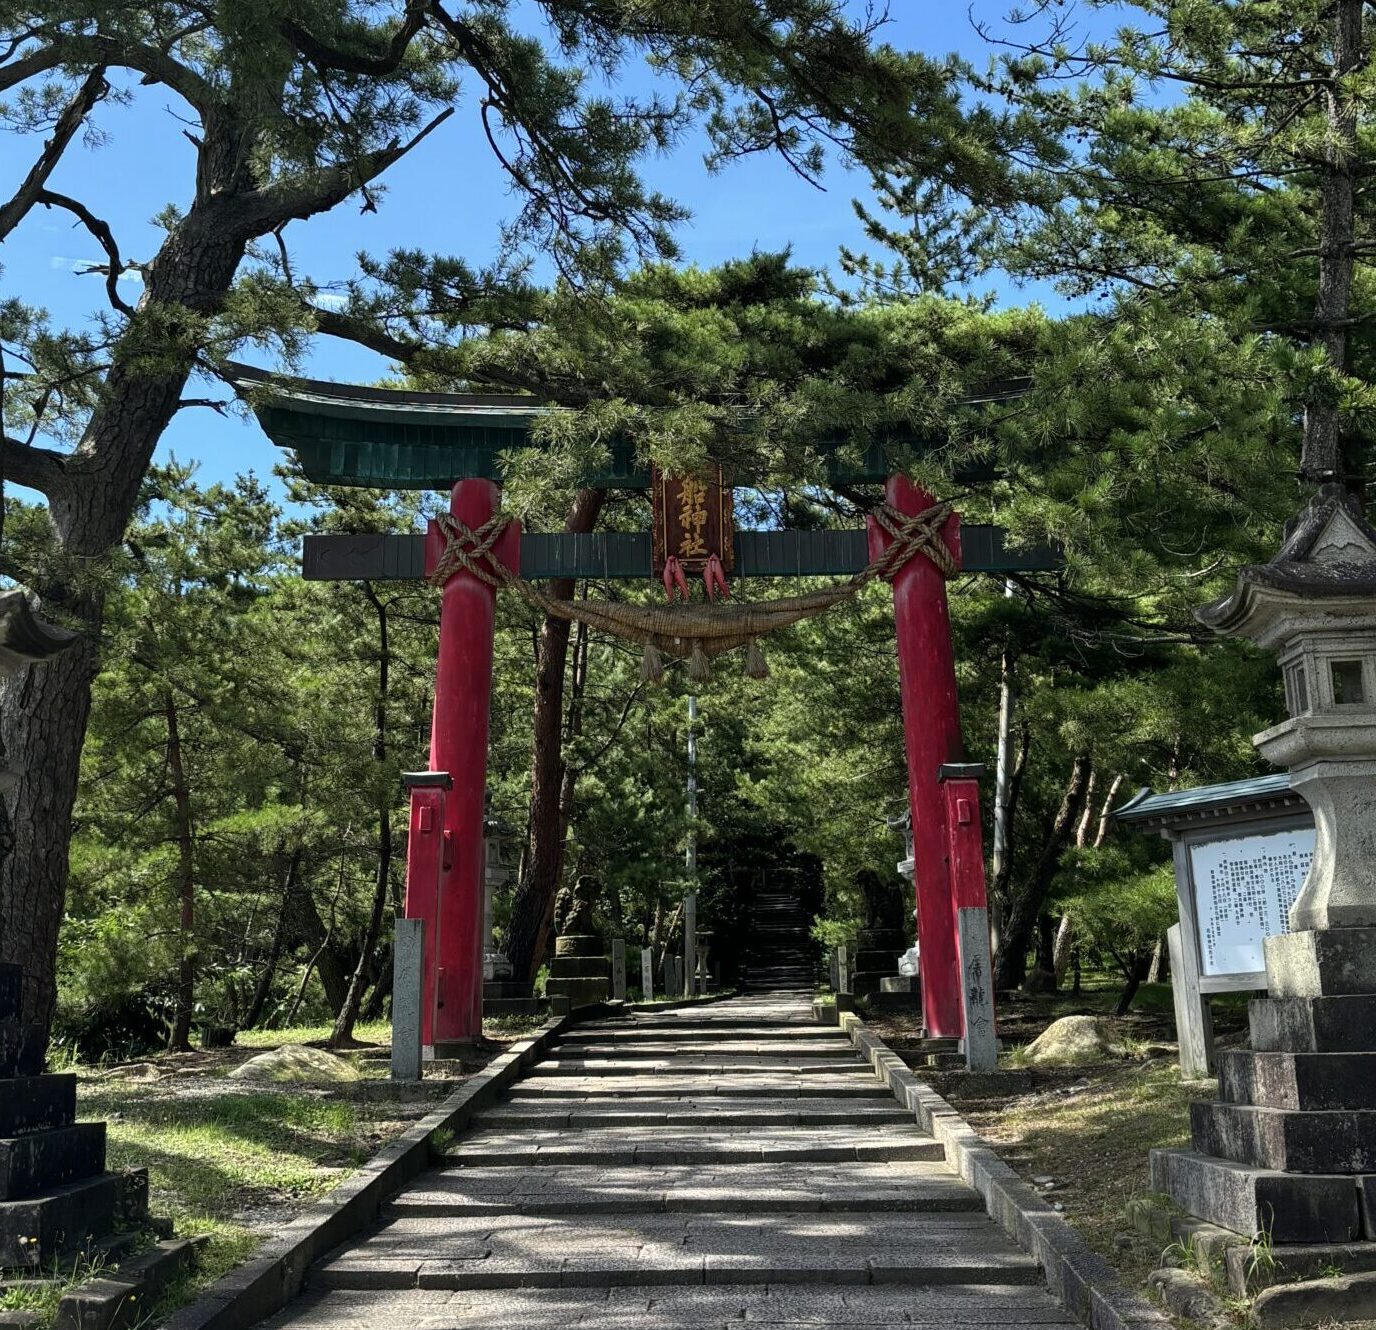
(1329, 556)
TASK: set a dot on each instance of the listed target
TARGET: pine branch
(323, 56)
(260, 211)
(100, 230)
(38, 468)
(91, 91)
(156, 66)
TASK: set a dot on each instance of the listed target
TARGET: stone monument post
(1290, 1148)
(579, 970)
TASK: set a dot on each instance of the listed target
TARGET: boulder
(295, 1062)
(1074, 1039)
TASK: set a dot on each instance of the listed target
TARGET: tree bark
(1064, 945)
(543, 863)
(1010, 964)
(263, 987)
(1321, 458)
(44, 708)
(343, 1031)
(180, 1041)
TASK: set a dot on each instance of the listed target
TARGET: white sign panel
(1243, 891)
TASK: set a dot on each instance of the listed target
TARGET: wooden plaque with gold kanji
(694, 519)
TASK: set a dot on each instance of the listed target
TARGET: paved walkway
(720, 1166)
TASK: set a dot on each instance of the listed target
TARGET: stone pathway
(715, 1166)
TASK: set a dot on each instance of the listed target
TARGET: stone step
(641, 1307)
(773, 1112)
(762, 1189)
(21, 1049)
(29, 1164)
(708, 1066)
(1333, 1141)
(530, 1251)
(533, 1147)
(1313, 1025)
(640, 1029)
(691, 1051)
(63, 1219)
(1289, 1207)
(596, 1088)
(37, 1103)
(1298, 1080)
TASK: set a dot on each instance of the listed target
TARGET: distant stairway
(779, 949)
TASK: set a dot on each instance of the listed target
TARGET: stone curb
(264, 1285)
(1082, 1281)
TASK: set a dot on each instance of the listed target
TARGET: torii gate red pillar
(458, 745)
(931, 728)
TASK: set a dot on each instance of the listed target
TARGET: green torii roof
(393, 438)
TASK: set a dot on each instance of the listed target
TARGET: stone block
(580, 967)
(1286, 1139)
(1247, 1275)
(1314, 1024)
(21, 1049)
(61, 1220)
(1310, 1081)
(11, 991)
(37, 1103)
(578, 944)
(580, 991)
(28, 1164)
(1291, 1207)
(1366, 1197)
(121, 1298)
(1333, 962)
(1316, 1302)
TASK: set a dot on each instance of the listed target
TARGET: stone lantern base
(1290, 1148)
(579, 971)
(56, 1196)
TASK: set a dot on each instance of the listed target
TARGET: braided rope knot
(918, 534)
(470, 550)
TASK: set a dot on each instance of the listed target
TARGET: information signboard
(1243, 889)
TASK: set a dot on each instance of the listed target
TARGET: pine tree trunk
(533, 902)
(1322, 456)
(1065, 942)
(180, 1042)
(44, 709)
(264, 985)
(1010, 964)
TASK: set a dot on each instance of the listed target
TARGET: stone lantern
(1314, 605)
(1289, 1149)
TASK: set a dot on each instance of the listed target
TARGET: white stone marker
(647, 974)
(408, 952)
(843, 969)
(619, 968)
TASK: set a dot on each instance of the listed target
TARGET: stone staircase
(708, 1167)
(779, 955)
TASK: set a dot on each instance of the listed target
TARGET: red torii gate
(445, 859)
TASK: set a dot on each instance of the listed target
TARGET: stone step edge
(560, 1157)
(967, 1202)
(373, 1274)
(1080, 1280)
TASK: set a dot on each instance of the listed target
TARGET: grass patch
(366, 1032)
(221, 1163)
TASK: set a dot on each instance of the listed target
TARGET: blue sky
(449, 196)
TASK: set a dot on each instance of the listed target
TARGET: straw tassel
(651, 664)
(756, 667)
(699, 671)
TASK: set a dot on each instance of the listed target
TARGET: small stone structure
(1290, 1149)
(881, 941)
(579, 970)
(56, 1196)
